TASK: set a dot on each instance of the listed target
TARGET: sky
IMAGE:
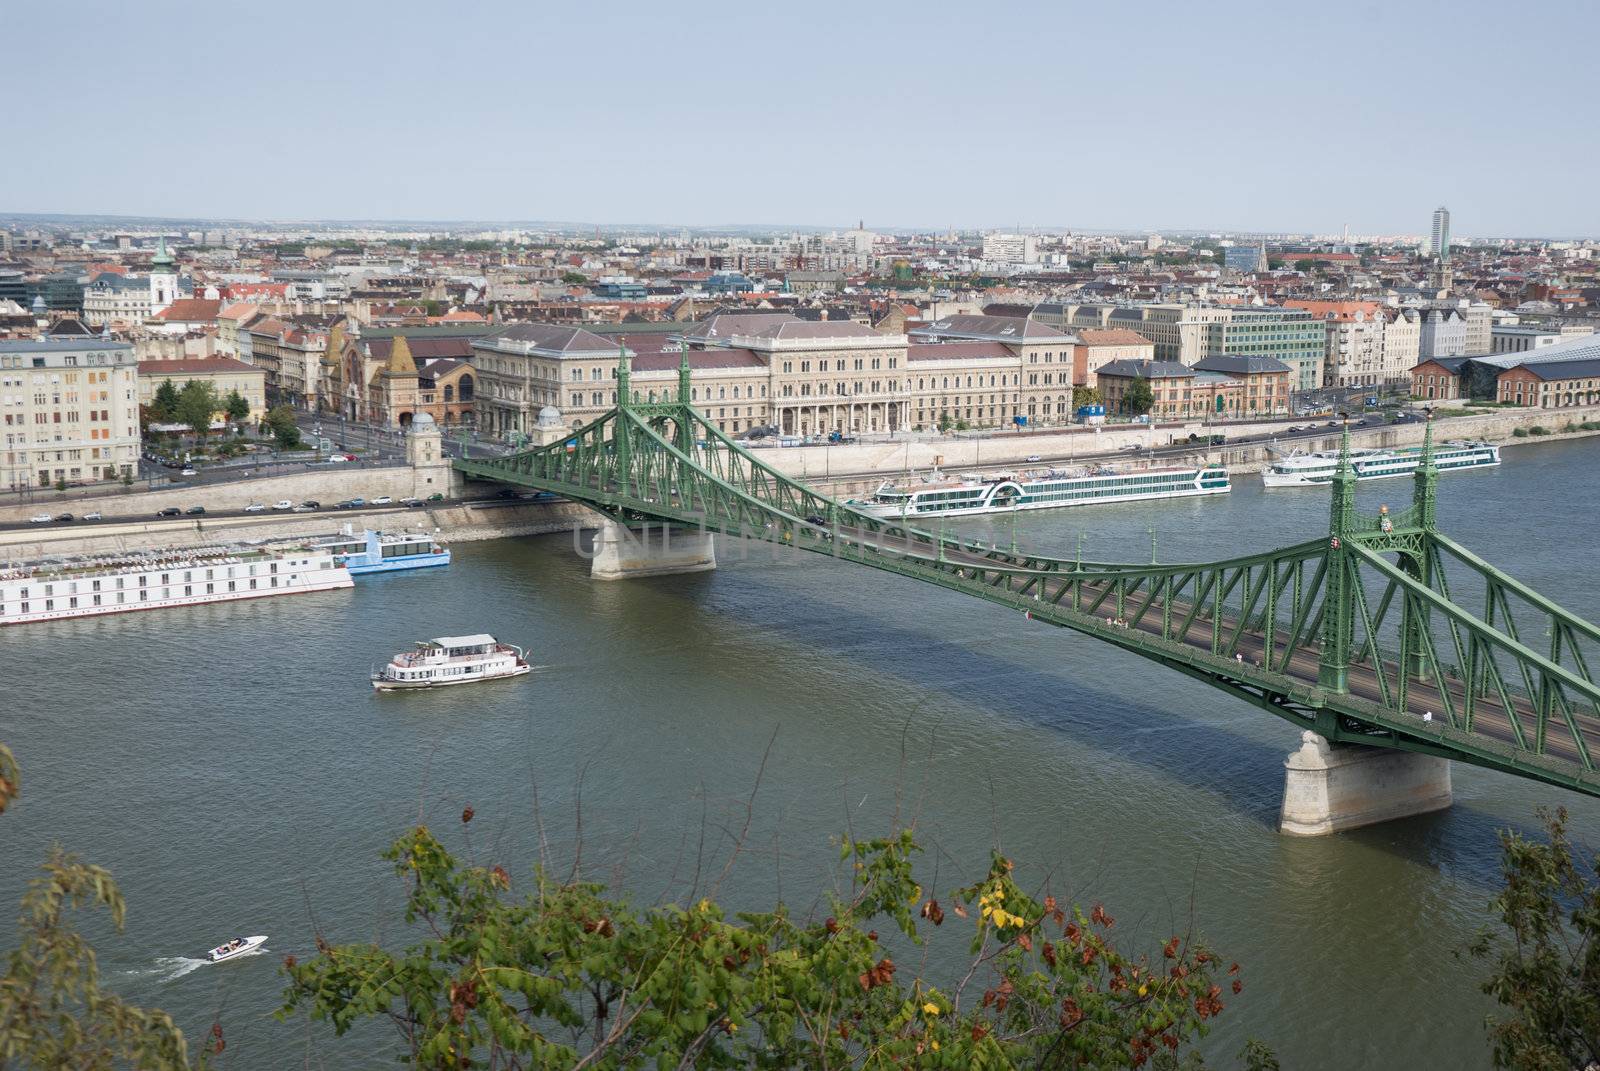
(1238, 116)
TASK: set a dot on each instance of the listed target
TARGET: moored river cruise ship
(112, 584)
(1040, 489)
(1314, 470)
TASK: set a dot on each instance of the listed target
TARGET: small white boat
(239, 946)
(452, 660)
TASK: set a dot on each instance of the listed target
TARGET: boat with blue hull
(386, 552)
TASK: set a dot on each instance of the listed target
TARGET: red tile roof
(707, 359)
(956, 351)
(190, 310)
(196, 366)
(1112, 336)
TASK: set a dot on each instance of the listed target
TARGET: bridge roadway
(1488, 715)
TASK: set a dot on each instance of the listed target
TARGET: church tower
(163, 279)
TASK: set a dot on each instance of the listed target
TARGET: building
(1264, 384)
(1043, 369)
(1550, 384)
(69, 411)
(1444, 333)
(1439, 241)
(387, 375)
(1402, 343)
(1099, 346)
(226, 376)
(1172, 390)
(1245, 259)
(1520, 338)
(1353, 352)
(1437, 379)
(1011, 248)
(525, 368)
(1293, 336)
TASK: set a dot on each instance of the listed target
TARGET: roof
(1561, 369)
(238, 310)
(1111, 336)
(1240, 363)
(1449, 364)
(552, 338)
(422, 349)
(1000, 328)
(1147, 369)
(957, 351)
(1582, 348)
(197, 366)
(477, 640)
(796, 328)
(730, 357)
(722, 324)
(190, 309)
(59, 345)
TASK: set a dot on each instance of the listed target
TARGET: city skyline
(1169, 119)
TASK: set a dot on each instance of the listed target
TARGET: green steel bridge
(1383, 632)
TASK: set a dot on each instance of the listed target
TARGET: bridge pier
(619, 553)
(1328, 788)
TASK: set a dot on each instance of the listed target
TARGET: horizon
(1166, 119)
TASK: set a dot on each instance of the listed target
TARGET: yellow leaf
(930, 1008)
(935, 1045)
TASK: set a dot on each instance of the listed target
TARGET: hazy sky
(1265, 116)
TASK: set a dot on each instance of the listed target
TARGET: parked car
(382, 500)
(337, 459)
(1033, 459)
(311, 503)
(170, 511)
(195, 511)
(64, 518)
(303, 508)
(255, 507)
(412, 502)
(283, 504)
(358, 501)
(92, 516)
(437, 496)
(40, 518)
(188, 472)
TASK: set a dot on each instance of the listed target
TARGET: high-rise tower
(1440, 246)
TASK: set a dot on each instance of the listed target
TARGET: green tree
(1305, 266)
(280, 421)
(564, 973)
(1546, 971)
(164, 406)
(1137, 399)
(573, 278)
(53, 1013)
(1085, 396)
(237, 408)
(944, 420)
(198, 404)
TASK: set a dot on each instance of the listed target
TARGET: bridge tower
(1333, 669)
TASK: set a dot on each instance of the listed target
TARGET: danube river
(233, 769)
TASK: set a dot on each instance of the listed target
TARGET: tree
(164, 406)
(573, 278)
(1546, 975)
(1137, 399)
(944, 420)
(197, 406)
(237, 408)
(564, 973)
(280, 421)
(1305, 266)
(52, 1010)
(1085, 396)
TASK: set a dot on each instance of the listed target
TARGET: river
(233, 769)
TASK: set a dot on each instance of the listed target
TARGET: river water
(233, 769)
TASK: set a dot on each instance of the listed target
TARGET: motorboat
(452, 660)
(239, 946)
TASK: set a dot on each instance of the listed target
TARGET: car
(383, 500)
(1133, 446)
(358, 501)
(817, 519)
(412, 502)
(437, 496)
(1362, 423)
(337, 459)
(195, 511)
(64, 518)
(506, 492)
(1293, 429)
(170, 511)
(346, 504)
(311, 503)
(283, 504)
(1331, 424)
(40, 518)
(255, 507)
(1031, 458)
(303, 508)
(188, 472)
(92, 516)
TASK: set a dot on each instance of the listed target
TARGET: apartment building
(1353, 347)
(226, 376)
(69, 410)
(1402, 343)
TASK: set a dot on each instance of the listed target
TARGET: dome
(549, 417)
(422, 421)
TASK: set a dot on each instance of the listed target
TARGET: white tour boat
(86, 586)
(239, 946)
(451, 660)
(1312, 470)
(1003, 492)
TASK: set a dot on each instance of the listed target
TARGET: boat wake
(168, 968)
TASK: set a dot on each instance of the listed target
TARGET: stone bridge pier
(654, 550)
(1328, 788)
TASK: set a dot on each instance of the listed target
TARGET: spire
(162, 261)
(1344, 485)
(1425, 488)
(624, 379)
(683, 372)
(401, 363)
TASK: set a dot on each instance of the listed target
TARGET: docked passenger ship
(385, 552)
(451, 660)
(84, 587)
(1310, 470)
(1039, 489)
